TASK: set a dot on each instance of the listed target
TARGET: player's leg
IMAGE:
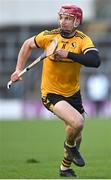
(71, 117)
(78, 141)
(67, 113)
(66, 162)
(72, 150)
(74, 124)
(79, 137)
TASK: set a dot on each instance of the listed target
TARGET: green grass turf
(34, 149)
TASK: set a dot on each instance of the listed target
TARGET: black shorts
(51, 99)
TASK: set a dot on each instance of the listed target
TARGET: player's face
(66, 22)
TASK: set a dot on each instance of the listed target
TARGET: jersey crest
(73, 45)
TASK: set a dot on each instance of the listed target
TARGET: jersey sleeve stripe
(36, 42)
(88, 49)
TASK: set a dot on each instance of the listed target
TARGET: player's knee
(78, 123)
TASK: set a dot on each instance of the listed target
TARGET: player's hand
(15, 76)
(61, 53)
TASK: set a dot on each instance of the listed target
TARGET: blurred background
(21, 19)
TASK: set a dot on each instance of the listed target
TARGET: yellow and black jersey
(62, 77)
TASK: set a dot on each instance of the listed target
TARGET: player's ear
(76, 22)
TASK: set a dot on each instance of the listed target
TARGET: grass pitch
(34, 149)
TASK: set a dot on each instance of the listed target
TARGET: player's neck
(67, 34)
(72, 34)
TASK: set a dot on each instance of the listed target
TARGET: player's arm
(90, 59)
(23, 56)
